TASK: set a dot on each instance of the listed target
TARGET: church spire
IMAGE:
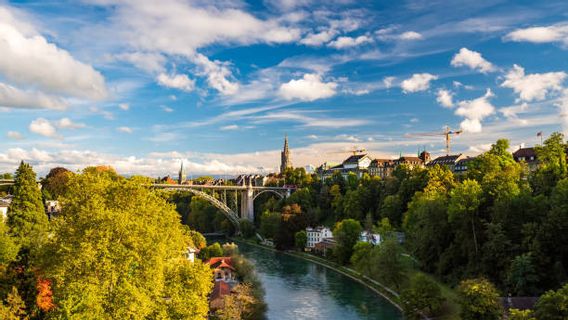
(181, 178)
(285, 161)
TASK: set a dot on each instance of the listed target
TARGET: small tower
(181, 178)
(285, 157)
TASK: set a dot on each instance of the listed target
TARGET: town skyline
(332, 78)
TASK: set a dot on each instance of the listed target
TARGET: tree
(522, 277)
(239, 304)
(552, 163)
(392, 209)
(516, 314)
(300, 239)
(14, 308)
(117, 251)
(479, 300)
(8, 246)
(269, 224)
(422, 297)
(464, 204)
(553, 305)
(247, 228)
(26, 215)
(360, 258)
(387, 264)
(346, 234)
(55, 183)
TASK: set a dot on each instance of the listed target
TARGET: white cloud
(43, 127)
(125, 129)
(15, 135)
(218, 74)
(149, 62)
(562, 106)
(411, 35)
(13, 97)
(29, 59)
(66, 123)
(473, 60)
(388, 82)
(554, 33)
(418, 82)
(124, 106)
(444, 97)
(513, 111)
(106, 114)
(176, 81)
(534, 86)
(230, 127)
(349, 42)
(317, 39)
(167, 109)
(474, 111)
(309, 121)
(309, 88)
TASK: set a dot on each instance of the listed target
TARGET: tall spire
(181, 178)
(285, 156)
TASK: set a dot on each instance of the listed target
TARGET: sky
(143, 85)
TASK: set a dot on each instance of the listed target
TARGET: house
(357, 164)
(324, 246)
(223, 269)
(462, 165)
(316, 235)
(190, 253)
(520, 303)
(527, 155)
(381, 168)
(448, 161)
(411, 162)
(220, 290)
(4, 205)
(368, 237)
(52, 208)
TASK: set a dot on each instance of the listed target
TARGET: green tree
(55, 183)
(346, 234)
(422, 297)
(117, 251)
(8, 246)
(479, 300)
(270, 224)
(14, 307)
(464, 203)
(26, 215)
(522, 277)
(516, 314)
(361, 257)
(386, 261)
(552, 163)
(247, 228)
(392, 209)
(553, 305)
(300, 239)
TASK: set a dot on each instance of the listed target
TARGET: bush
(423, 296)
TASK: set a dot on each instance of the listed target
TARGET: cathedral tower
(285, 161)
(181, 178)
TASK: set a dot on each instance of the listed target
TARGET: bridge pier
(247, 203)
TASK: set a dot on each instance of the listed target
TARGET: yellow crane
(447, 133)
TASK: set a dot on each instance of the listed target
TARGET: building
(223, 269)
(357, 164)
(411, 162)
(182, 175)
(372, 238)
(462, 165)
(316, 235)
(285, 161)
(324, 246)
(527, 155)
(448, 161)
(52, 208)
(381, 168)
(190, 253)
(4, 205)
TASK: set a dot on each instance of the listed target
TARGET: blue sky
(142, 85)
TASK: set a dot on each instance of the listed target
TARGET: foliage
(346, 234)
(239, 304)
(360, 257)
(247, 228)
(522, 277)
(26, 215)
(553, 305)
(14, 307)
(422, 297)
(211, 251)
(55, 183)
(479, 300)
(108, 257)
(387, 264)
(516, 314)
(269, 224)
(300, 239)
(8, 247)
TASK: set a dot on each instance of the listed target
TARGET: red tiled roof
(221, 262)
(220, 289)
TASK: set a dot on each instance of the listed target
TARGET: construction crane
(354, 151)
(447, 133)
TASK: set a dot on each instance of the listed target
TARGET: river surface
(300, 289)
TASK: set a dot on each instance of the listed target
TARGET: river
(300, 289)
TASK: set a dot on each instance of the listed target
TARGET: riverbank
(388, 294)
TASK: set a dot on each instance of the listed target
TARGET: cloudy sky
(142, 84)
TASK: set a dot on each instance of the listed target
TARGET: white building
(4, 204)
(372, 238)
(316, 235)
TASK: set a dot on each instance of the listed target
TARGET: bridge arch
(279, 194)
(228, 212)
